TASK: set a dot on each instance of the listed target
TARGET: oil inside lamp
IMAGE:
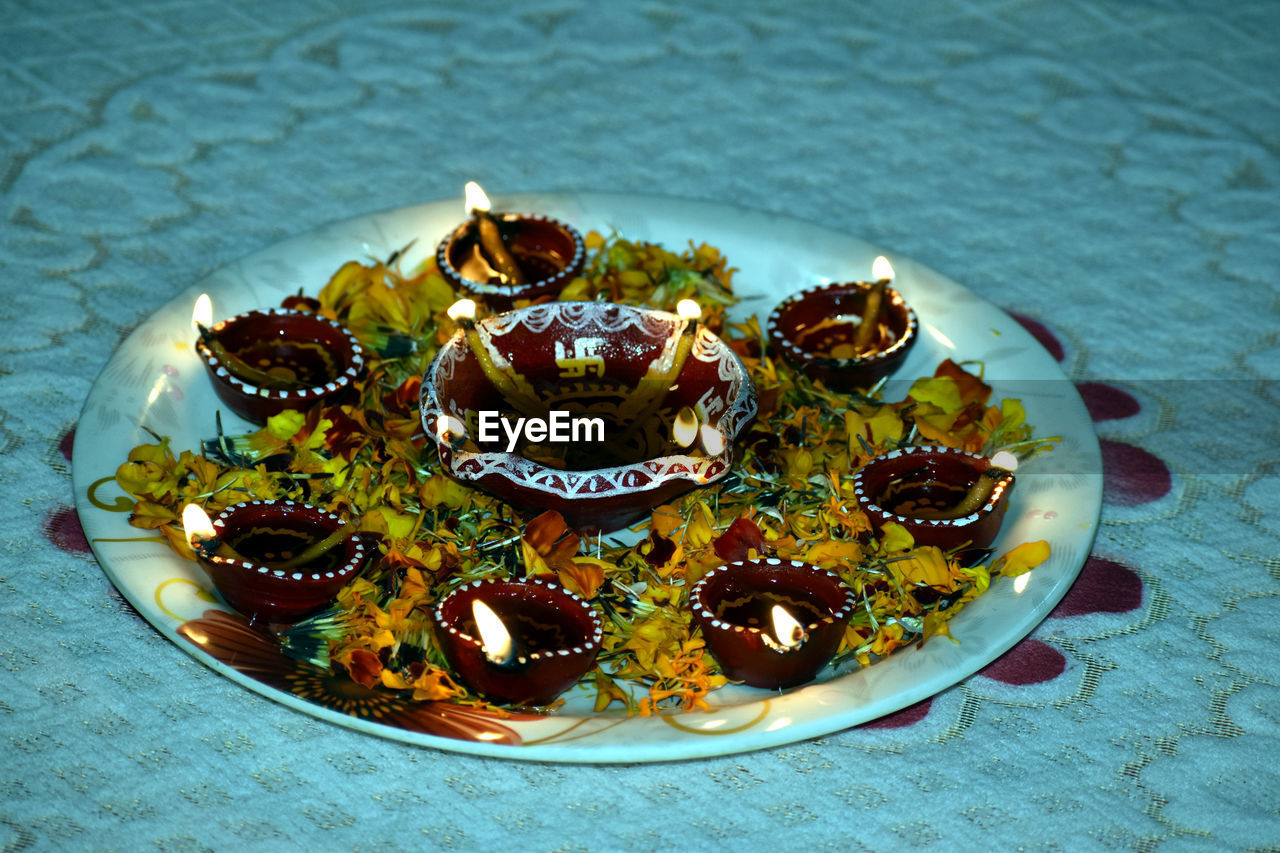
(942, 496)
(495, 639)
(846, 334)
(237, 364)
(204, 540)
(518, 642)
(870, 331)
(769, 622)
(1003, 464)
(264, 362)
(275, 561)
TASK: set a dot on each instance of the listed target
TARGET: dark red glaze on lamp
(587, 358)
(266, 532)
(548, 252)
(733, 605)
(556, 637)
(810, 353)
(893, 485)
(324, 357)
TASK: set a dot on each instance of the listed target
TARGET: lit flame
(789, 632)
(685, 428)
(712, 440)
(881, 268)
(463, 309)
(198, 527)
(449, 428)
(688, 309)
(476, 199)
(1006, 460)
(495, 640)
(202, 311)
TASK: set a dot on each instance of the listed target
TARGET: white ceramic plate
(154, 380)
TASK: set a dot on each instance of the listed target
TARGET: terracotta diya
(275, 561)
(501, 257)
(573, 406)
(848, 335)
(517, 642)
(264, 362)
(769, 622)
(942, 496)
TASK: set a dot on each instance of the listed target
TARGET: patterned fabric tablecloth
(1107, 171)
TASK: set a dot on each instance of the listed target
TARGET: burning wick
(491, 243)
(713, 440)
(201, 536)
(1002, 465)
(691, 313)
(200, 533)
(451, 431)
(463, 312)
(504, 380)
(495, 639)
(653, 387)
(790, 633)
(201, 312)
(883, 272)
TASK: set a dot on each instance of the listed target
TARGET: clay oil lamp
(942, 496)
(517, 642)
(848, 335)
(501, 257)
(597, 410)
(771, 623)
(275, 561)
(264, 362)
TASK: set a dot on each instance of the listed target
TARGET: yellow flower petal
(895, 537)
(939, 390)
(285, 425)
(927, 566)
(1022, 559)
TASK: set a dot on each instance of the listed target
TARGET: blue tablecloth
(1105, 170)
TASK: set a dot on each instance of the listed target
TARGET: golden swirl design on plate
(676, 724)
(201, 593)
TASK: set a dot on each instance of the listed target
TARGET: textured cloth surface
(1106, 170)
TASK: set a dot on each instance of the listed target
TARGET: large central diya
(597, 410)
